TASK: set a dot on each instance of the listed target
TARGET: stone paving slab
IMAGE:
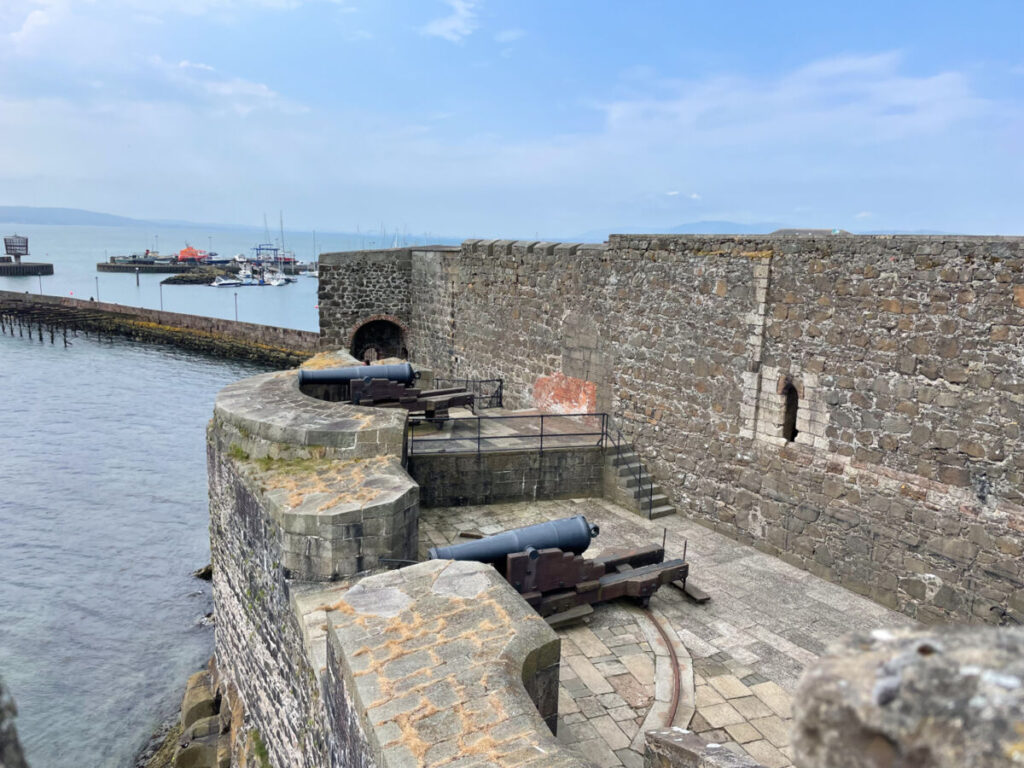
(765, 622)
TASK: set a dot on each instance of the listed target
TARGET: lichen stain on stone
(758, 254)
(333, 359)
(410, 632)
(343, 481)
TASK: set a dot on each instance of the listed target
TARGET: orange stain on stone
(559, 393)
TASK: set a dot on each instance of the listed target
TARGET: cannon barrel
(402, 373)
(570, 534)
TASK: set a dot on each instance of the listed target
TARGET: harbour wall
(269, 344)
(893, 363)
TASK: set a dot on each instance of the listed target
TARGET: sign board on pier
(16, 246)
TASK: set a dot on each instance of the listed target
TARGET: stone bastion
(316, 666)
(327, 654)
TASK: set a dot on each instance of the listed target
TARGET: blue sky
(517, 119)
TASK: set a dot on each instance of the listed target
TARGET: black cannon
(335, 384)
(543, 563)
(401, 373)
(570, 534)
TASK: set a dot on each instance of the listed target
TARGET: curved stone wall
(317, 666)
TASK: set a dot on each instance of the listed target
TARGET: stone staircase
(633, 485)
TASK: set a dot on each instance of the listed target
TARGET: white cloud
(509, 35)
(461, 23)
(864, 215)
(35, 20)
(694, 196)
(673, 193)
(222, 91)
(186, 64)
(847, 100)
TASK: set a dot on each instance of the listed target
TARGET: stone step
(656, 500)
(626, 457)
(632, 481)
(662, 511)
(625, 470)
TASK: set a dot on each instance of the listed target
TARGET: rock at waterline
(11, 755)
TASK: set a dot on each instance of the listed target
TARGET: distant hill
(692, 228)
(23, 214)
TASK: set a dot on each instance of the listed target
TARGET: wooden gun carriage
(544, 564)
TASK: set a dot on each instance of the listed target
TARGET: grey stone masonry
(489, 478)
(359, 286)
(893, 363)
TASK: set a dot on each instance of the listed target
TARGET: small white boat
(225, 281)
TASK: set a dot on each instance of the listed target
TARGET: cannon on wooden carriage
(544, 564)
(383, 386)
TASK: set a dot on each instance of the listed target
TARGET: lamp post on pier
(236, 306)
(161, 296)
(97, 287)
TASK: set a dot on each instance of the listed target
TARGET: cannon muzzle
(570, 534)
(402, 373)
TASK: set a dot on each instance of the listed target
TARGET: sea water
(103, 496)
(103, 519)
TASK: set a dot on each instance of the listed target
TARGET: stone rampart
(318, 667)
(851, 404)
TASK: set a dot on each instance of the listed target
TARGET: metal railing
(487, 393)
(621, 446)
(528, 432)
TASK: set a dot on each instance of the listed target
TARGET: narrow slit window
(792, 397)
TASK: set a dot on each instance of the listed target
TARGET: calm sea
(103, 500)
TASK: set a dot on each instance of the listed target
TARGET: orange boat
(188, 253)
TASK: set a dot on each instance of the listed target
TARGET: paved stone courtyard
(740, 655)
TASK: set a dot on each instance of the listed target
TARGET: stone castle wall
(905, 481)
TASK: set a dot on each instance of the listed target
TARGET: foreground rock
(945, 698)
(11, 755)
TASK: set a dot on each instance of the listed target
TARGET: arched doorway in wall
(378, 338)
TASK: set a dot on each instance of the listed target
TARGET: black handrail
(619, 441)
(476, 438)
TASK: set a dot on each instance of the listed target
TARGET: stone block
(938, 699)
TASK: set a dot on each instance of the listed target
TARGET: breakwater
(25, 269)
(52, 317)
